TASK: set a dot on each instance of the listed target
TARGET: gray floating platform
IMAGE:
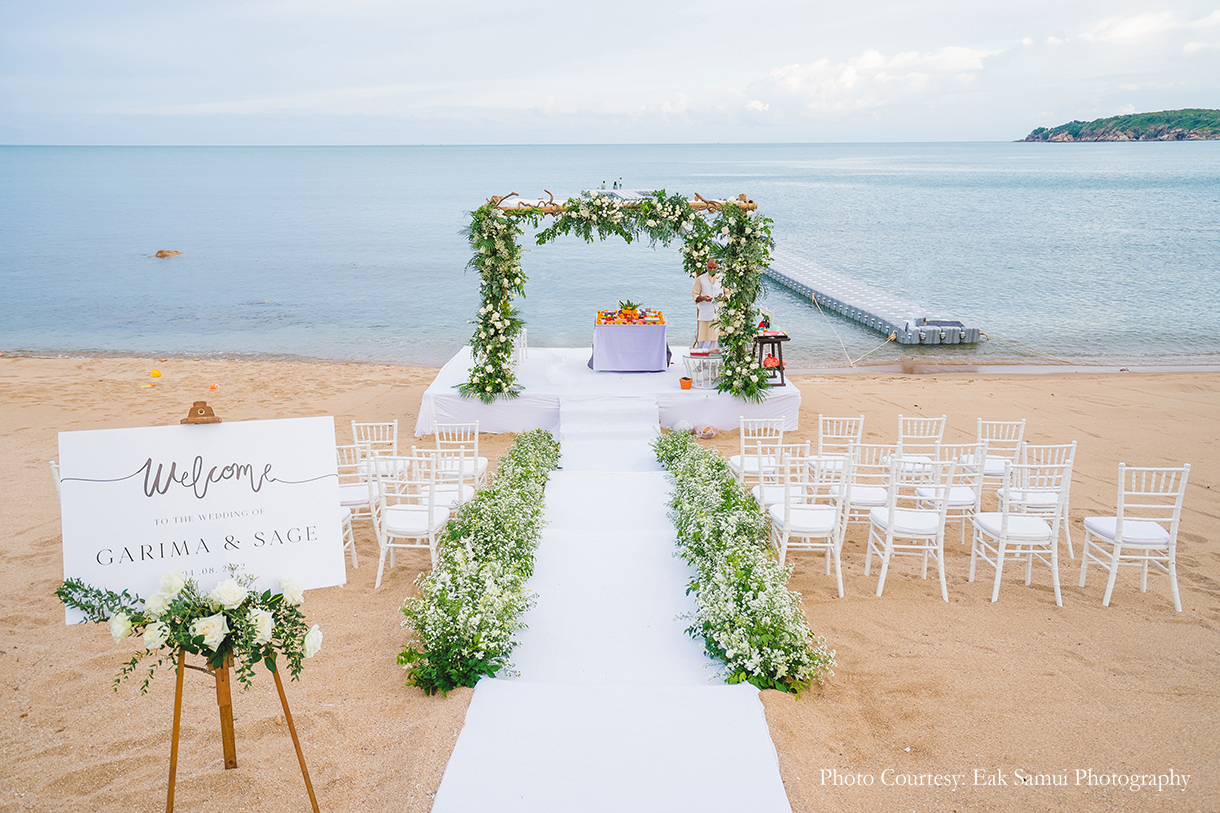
(867, 305)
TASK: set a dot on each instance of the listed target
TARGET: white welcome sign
(262, 495)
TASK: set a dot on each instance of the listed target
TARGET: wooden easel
(224, 700)
(202, 413)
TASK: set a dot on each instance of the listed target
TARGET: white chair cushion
(994, 466)
(1032, 498)
(354, 494)
(751, 465)
(959, 496)
(452, 495)
(907, 521)
(1135, 531)
(412, 520)
(1021, 527)
(863, 495)
(471, 467)
(912, 462)
(833, 462)
(769, 495)
(814, 520)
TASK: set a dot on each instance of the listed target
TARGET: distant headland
(1167, 125)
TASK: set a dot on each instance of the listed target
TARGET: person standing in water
(706, 293)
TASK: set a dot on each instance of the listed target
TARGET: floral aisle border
(468, 607)
(731, 231)
(745, 613)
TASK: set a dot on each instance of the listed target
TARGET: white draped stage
(613, 709)
(551, 373)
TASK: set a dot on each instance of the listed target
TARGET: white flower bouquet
(229, 621)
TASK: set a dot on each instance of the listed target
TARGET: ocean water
(1093, 253)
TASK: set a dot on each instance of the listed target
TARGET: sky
(268, 72)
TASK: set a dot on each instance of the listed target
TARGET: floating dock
(910, 323)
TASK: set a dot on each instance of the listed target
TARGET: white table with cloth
(629, 349)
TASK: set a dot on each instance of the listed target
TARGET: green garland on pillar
(739, 239)
(744, 255)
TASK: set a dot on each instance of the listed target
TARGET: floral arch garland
(730, 231)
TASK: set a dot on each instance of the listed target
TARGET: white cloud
(1194, 47)
(1208, 21)
(758, 106)
(867, 81)
(676, 106)
(1135, 26)
(1126, 110)
(1054, 41)
(1027, 41)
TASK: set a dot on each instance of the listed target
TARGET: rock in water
(168, 253)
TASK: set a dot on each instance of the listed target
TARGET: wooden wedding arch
(731, 231)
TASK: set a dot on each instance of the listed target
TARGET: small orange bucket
(685, 381)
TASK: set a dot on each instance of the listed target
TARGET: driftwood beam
(699, 204)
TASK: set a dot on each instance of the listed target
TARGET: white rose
(156, 605)
(172, 584)
(228, 594)
(293, 594)
(213, 628)
(724, 230)
(313, 641)
(120, 626)
(155, 635)
(264, 625)
(753, 378)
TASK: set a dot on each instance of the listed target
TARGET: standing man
(706, 292)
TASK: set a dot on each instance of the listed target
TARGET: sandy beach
(923, 689)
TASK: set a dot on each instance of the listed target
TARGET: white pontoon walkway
(613, 709)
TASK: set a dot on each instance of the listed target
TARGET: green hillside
(1167, 125)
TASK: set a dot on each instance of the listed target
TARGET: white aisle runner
(613, 709)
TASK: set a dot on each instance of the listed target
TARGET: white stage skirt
(553, 373)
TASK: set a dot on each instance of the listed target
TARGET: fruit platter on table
(630, 313)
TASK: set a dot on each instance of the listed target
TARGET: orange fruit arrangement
(642, 317)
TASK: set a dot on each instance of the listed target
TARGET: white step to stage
(611, 433)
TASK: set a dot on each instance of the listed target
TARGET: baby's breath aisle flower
(745, 614)
(466, 611)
